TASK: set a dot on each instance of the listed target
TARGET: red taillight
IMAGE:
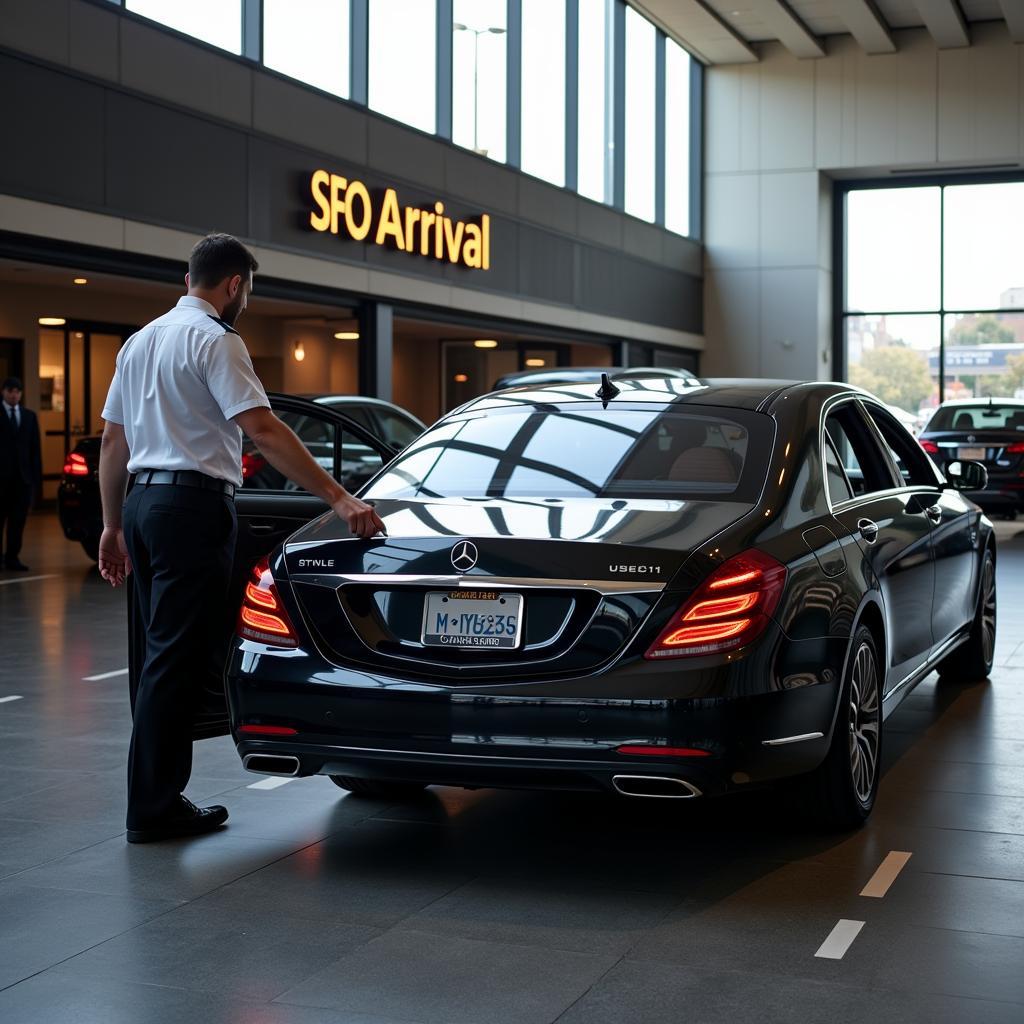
(75, 465)
(252, 463)
(262, 616)
(643, 750)
(930, 447)
(728, 610)
(1016, 448)
(267, 730)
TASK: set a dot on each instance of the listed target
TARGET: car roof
(981, 401)
(739, 393)
(330, 399)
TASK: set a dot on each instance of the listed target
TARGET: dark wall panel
(546, 266)
(172, 167)
(51, 134)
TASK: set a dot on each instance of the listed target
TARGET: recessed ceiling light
(485, 343)
(81, 280)
(52, 321)
(347, 335)
(536, 362)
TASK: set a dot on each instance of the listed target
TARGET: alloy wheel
(988, 610)
(864, 723)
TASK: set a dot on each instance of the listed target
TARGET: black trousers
(15, 501)
(181, 541)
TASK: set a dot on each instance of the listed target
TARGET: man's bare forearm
(113, 474)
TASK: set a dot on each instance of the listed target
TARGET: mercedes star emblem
(970, 437)
(464, 556)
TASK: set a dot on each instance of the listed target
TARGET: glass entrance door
(76, 365)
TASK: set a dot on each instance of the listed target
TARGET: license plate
(971, 454)
(480, 619)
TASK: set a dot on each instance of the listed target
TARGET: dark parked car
(78, 496)
(588, 374)
(986, 430)
(666, 591)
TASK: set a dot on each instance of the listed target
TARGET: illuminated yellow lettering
(338, 186)
(485, 228)
(358, 229)
(472, 252)
(390, 225)
(320, 221)
(439, 231)
(453, 239)
(412, 215)
(426, 220)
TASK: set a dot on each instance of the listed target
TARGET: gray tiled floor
(485, 907)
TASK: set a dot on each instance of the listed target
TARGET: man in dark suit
(21, 469)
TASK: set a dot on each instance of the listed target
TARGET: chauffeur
(183, 391)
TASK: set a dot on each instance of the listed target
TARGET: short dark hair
(12, 383)
(216, 257)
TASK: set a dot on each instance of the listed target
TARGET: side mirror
(967, 476)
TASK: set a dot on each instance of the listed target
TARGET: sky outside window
(543, 95)
(677, 138)
(476, 47)
(640, 115)
(309, 40)
(217, 22)
(403, 61)
(594, 134)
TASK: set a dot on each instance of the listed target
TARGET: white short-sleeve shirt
(176, 385)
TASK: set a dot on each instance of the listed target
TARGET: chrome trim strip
(693, 790)
(442, 756)
(483, 582)
(783, 740)
(922, 670)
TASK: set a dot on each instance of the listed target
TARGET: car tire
(379, 789)
(972, 660)
(844, 786)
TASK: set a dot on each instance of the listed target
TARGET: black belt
(184, 478)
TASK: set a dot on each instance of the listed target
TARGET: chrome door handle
(934, 513)
(261, 527)
(868, 530)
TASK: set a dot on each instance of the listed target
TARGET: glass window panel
(892, 249)
(677, 138)
(309, 40)
(403, 61)
(593, 113)
(896, 358)
(640, 115)
(479, 46)
(543, 94)
(217, 22)
(984, 225)
(984, 355)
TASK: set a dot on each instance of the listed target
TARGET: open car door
(270, 507)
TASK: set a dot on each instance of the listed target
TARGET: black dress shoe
(15, 566)
(189, 820)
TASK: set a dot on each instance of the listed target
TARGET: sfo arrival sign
(347, 207)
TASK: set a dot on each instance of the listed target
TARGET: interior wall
(416, 376)
(778, 132)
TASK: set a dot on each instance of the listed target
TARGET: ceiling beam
(697, 27)
(945, 22)
(1013, 12)
(780, 19)
(866, 25)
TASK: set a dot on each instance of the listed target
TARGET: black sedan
(656, 589)
(987, 430)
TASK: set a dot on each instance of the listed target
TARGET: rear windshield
(978, 417)
(585, 451)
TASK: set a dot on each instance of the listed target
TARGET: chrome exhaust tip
(658, 787)
(271, 764)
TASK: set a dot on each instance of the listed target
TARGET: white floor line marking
(29, 579)
(894, 863)
(839, 940)
(5, 700)
(105, 675)
(271, 783)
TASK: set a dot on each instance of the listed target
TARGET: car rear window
(977, 417)
(584, 450)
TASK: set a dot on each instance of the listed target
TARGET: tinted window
(586, 451)
(978, 417)
(862, 459)
(397, 430)
(910, 460)
(838, 486)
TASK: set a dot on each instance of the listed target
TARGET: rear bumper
(352, 723)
